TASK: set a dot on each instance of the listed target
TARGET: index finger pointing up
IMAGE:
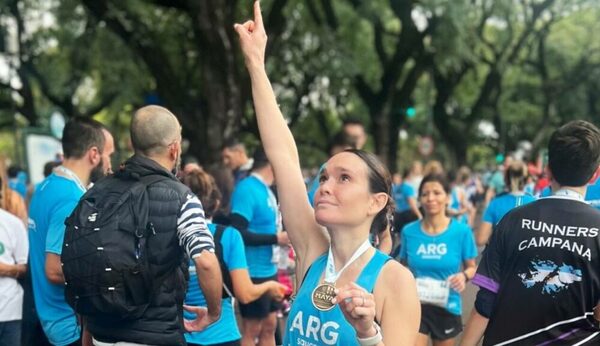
(258, 15)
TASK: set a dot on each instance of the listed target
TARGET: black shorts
(439, 323)
(261, 307)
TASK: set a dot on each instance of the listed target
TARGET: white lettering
(432, 250)
(554, 242)
(312, 327)
(329, 333)
(523, 245)
(326, 333)
(526, 224)
(297, 323)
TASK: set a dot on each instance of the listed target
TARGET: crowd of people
(167, 250)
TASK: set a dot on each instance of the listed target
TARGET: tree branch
(105, 102)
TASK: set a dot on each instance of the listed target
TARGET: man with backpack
(127, 244)
(87, 147)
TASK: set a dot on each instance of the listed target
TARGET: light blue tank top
(307, 325)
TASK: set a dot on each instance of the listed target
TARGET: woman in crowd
(348, 292)
(440, 252)
(515, 177)
(230, 251)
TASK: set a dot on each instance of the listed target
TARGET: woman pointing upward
(348, 292)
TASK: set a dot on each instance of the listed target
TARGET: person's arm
(412, 203)
(308, 238)
(197, 241)
(235, 259)
(53, 269)
(474, 329)
(54, 241)
(240, 223)
(246, 291)
(484, 233)
(487, 221)
(458, 281)
(12, 270)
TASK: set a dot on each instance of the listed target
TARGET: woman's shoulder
(394, 275)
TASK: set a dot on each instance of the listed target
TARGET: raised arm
(308, 238)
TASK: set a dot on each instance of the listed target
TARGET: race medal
(322, 295)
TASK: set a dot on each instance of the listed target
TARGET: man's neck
(578, 189)
(265, 176)
(162, 161)
(79, 168)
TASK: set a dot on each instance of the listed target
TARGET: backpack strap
(227, 282)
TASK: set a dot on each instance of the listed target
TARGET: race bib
(434, 292)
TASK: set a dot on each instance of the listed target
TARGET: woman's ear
(378, 202)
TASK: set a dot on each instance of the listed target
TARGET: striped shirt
(192, 231)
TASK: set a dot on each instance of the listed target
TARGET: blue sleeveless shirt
(308, 326)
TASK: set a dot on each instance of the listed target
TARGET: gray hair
(152, 129)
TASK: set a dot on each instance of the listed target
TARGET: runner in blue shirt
(515, 178)
(440, 252)
(254, 212)
(333, 305)
(407, 208)
(87, 147)
(225, 331)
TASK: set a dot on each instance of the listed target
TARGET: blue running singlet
(308, 326)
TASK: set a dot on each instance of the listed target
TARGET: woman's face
(343, 197)
(434, 198)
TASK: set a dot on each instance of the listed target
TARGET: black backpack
(227, 282)
(104, 254)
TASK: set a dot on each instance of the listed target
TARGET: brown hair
(380, 180)
(10, 200)
(515, 176)
(203, 185)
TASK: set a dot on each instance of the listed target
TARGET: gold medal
(322, 295)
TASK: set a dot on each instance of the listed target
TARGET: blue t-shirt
(502, 204)
(306, 325)
(455, 204)
(438, 256)
(255, 201)
(52, 202)
(226, 328)
(401, 194)
(547, 191)
(592, 196)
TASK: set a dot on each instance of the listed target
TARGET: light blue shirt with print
(438, 256)
(254, 200)
(52, 202)
(504, 203)
(226, 328)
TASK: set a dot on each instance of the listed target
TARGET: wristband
(373, 340)
(466, 276)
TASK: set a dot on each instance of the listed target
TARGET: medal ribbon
(330, 275)
(73, 177)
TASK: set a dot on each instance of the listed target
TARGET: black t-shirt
(543, 263)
